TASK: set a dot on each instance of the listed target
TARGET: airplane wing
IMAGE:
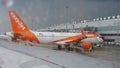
(64, 42)
(76, 38)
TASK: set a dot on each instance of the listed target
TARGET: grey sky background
(44, 13)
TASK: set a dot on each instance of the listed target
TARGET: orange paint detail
(72, 38)
(20, 30)
(86, 45)
(90, 35)
(77, 38)
(82, 31)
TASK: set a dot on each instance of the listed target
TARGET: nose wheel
(59, 47)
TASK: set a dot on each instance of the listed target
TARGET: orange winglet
(82, 31)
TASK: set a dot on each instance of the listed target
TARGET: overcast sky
(44, 13)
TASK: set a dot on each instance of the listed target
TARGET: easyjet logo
(17, 21)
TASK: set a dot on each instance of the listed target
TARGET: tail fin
(18, 26)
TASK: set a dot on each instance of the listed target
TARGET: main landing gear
(73, 47)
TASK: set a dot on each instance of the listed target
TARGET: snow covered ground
(13, 55)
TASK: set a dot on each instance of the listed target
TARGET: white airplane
(22, 32)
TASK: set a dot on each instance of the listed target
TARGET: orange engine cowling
(86, 45)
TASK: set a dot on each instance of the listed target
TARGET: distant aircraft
(22, 32)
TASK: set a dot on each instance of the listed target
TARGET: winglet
(82, 31)
(97, 34)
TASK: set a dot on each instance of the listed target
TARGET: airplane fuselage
(59, 37)
(47, 37)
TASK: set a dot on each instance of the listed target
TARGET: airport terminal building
(108, 27)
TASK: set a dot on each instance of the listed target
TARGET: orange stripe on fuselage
(77, 38)
(73, 38)
(90, 35)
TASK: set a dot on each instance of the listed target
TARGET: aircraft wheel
(31, 44)
(90, 49)
(59, 47)
(70, 49)
(77, 50)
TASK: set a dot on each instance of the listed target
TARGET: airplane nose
(101, 39)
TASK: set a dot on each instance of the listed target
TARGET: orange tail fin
(18, 26)
(20, 30)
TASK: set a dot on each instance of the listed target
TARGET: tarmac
(19, 55)
(106, 52)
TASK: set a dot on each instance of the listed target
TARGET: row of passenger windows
(109, 40)
(110, 34)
